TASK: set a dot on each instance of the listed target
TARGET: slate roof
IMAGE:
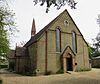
(36, 36)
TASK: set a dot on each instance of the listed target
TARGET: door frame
(69, 63)
(68, 55)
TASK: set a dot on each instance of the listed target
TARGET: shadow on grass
(0, 81)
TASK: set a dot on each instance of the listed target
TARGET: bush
(61, 71)
(28, 74)
(25, 73)
(97, 66)
(0, 81)
(48, 73)
(83, 69)
(3, 66)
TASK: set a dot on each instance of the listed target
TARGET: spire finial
(33, 31)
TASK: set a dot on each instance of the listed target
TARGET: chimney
(33, 30)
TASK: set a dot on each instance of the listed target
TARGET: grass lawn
(87, 77)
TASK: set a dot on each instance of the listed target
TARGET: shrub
(3, 66)
(25, 73)
(48, 73)
(0, 81)
(61, 71)
(28, 74)
(83, 69)
(96, 66)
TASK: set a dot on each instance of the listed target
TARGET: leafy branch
(56, 3)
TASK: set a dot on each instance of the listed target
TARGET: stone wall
(20, 64)
(41, 55)
(45, 48)
(32, 50)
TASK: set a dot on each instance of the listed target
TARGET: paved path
(90, 77)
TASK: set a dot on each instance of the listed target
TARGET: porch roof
(63, 51)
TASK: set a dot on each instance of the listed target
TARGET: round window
(66, 23)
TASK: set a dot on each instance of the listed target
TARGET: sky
(84, 16)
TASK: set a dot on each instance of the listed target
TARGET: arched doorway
(67, 59)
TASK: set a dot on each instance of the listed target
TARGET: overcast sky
(84, 16)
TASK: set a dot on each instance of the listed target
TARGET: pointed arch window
(74, 42)
(58, 40)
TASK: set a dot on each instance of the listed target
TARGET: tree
(4, 43)
(98, 20)
(94, 51)
(57, 3)
(6, 28)
(97, 42)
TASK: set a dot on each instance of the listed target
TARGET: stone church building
(58, 46)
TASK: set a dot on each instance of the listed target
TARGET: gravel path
(90, 77)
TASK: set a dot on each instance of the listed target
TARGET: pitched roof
(36, 36)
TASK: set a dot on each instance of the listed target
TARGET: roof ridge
(36, 36)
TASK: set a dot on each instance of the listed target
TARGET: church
(58, 46)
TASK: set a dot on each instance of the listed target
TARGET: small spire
(16, 44)
(33, 31)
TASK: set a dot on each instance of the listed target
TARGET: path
(90, 77)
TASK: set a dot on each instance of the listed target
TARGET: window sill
(58, 52)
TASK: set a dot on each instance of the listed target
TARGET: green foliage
(96, 66)
(83, 69)
(4, 43)
(3, 66)
(56, 3)
(90, 51)
(93, 52)
(7, 27)
(28, 72)
(25, 73)
(61, 71)
(0, 81)
(48, 73)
